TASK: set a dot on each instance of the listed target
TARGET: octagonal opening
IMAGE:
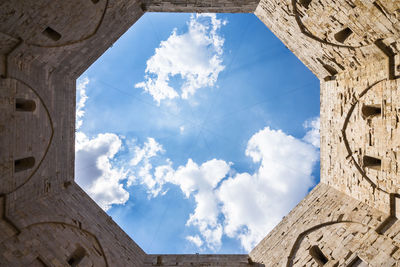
(197, 132)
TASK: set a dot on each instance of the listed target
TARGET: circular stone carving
(58, 244)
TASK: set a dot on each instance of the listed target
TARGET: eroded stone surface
(350, 218)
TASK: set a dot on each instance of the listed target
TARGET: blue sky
(197, 133)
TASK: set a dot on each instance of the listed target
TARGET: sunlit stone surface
(350, 219)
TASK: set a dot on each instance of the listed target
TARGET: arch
(78, 251)
(87, 37)
(46, 150)
(354, 102)
(63, 224)
(304, 30)
(49, 32)
(303, 234)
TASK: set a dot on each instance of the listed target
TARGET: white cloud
(94, 170)
(245, 206)
(201, 182)
(195, 179)
(81, 101)
(195, 240)
(149, 150)
(253, 204)
(142, 168)
(94, 167)
(196, 56)
(312, 136)
(181, 129)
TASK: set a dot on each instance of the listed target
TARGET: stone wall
(221, 6)
(330, 37)
(350, 218)
(360, 123)
(46, 219)
(199, 260)
(341, 228)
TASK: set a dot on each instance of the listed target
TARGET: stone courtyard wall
(349, 219)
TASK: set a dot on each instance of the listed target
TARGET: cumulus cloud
(195, 240)
(312, 136)
(245, 205)
(195, 56)
(142, 167)
(253, 204)
(94, 170)
(81, 101)
(201, 182)
(150, 149)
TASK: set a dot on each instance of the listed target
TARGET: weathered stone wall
(45, 218)
(352, 135)
(341, 228)
(359, 133)
(330, 37)
(359, 112)
(351, 45)
(199, 260)
(225, 6)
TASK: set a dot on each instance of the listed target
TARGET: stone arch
(340, 227)
(74, 244)
(350, 150)
(85, 23)
(371, 151)
(302, 235)
(307, 32)
(341, 34)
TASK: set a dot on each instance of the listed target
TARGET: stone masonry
(349, 219)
